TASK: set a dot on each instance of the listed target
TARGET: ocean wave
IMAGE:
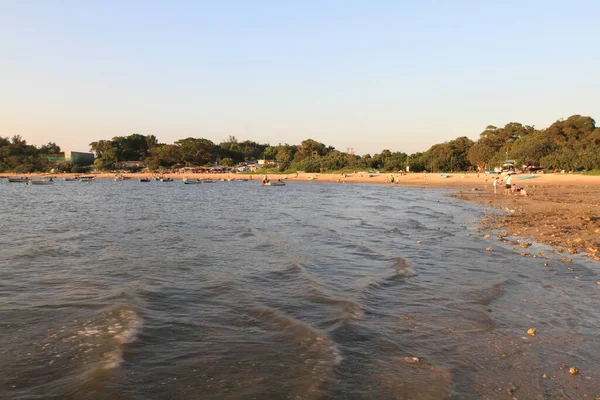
(102, 338)
(346, 311)
(404, 268)
(320, 354)
(401, 270)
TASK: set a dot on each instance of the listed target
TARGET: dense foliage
(16, 155)
(571, 144)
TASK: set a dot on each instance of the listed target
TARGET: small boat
(525, 177)
(18, 179)
(40, 181)
(273, 183)
(86, 179)
(144, 179)
(191, 181)
(166, 179)
(208, 181)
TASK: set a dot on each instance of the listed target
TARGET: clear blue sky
(368, 75)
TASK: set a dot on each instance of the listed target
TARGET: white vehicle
(508, 168)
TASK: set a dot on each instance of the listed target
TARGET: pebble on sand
(573, 371)
(531, 331)
(489, 249)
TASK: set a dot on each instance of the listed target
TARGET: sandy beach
(562, 210)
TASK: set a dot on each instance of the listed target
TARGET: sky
(362, 75)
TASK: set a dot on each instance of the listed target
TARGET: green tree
(16, 155)
(530, 150)
(500, 138)
(195, 152)
(310, 148)
(100, 147)
(251, 150)
(285, 154)
(164, 156)
(450, 156)
(50, 148)
(270, 153)
(572, 131)
(480, 155)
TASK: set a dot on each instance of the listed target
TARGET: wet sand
(563, 212)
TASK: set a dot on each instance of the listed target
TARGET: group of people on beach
(509, 187)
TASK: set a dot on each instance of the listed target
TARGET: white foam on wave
(123, 332)
(89, 332)
(105, 336)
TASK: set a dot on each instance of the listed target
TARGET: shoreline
(560, 210)
(457, 181)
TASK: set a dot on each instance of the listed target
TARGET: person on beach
(508, 186)
(496, 183)
(265, 179)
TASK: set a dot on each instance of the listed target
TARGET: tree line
(17, 155)
(571, 144)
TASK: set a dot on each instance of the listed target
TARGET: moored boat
(86, 178)
(40, 181)
(191, 181)
(273, 183)
(17, 179)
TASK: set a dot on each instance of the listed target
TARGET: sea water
(159, 290)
